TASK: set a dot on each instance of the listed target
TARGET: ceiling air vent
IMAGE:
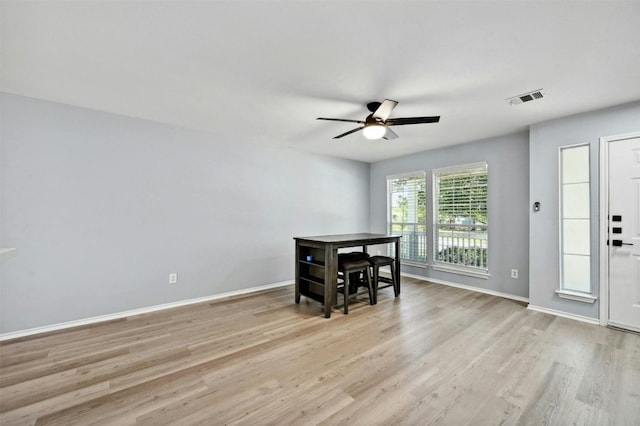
(526, 97)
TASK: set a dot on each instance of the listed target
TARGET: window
(460, 219)
(575, 247)
(407, 214)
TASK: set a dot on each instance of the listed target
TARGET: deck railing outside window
(413, 244)
(461, 216)
(464, 245)
(406, 214)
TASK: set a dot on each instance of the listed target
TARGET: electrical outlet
(173, 278)
(514, 273)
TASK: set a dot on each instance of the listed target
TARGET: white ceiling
(262, 71)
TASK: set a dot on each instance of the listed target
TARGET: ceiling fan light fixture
(376, 125)
(374, 131)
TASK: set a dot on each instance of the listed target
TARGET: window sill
(576, 296)
(462, 271)
(414, 264)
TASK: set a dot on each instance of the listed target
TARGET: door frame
(604, 221)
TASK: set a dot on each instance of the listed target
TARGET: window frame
(563, 291)
(423, 247)
(462, 269)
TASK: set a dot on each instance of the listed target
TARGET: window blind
(460, 222)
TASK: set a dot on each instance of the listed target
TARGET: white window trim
(461, 167)
(421, 173)
(461, 270)
(415, 264)
(470, 271)
(415, 174)
(578, 296)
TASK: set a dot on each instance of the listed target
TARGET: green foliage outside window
(461, 227)
(408, 216)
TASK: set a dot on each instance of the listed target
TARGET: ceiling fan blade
(411, 120)
(341, 119)
(384, 110)
(349, 132)
(390, 135)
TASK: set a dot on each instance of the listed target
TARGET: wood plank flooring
(435, 355)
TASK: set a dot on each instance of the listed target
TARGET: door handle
(619, 243)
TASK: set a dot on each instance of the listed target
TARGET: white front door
(624, 233)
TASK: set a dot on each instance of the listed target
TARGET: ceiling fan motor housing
(373, 106)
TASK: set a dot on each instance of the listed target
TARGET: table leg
(330, 278)
(397, 271)
(297, 276)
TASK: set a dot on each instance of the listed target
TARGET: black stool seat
(355, 280)
(354, 265)
(376, 263)
(381, 260)
(354, 255)
(349, 267)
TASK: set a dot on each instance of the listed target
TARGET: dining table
(316, 263)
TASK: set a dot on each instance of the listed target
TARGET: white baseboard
(467, 287)
(581, 318)
(508, 296)
(625, 327)
(118, 315)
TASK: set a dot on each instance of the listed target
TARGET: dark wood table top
(346, 237)
(349, 240)
(356, 239)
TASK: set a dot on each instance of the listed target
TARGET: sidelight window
(575, 220)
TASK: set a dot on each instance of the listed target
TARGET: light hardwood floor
(435, 355)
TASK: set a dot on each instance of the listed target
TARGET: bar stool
(376, 263)
(350, 267)
(354, 255)
(356, 279)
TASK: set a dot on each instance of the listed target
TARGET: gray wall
(103, 207)
(545, 141)
(508, 161)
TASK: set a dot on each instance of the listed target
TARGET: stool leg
(376, 274)
(346, 293)
(372, 295)
(396, 285)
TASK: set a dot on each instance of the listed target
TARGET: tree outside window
(407, 215)
(460, 229)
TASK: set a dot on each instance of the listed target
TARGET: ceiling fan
(376, 125)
